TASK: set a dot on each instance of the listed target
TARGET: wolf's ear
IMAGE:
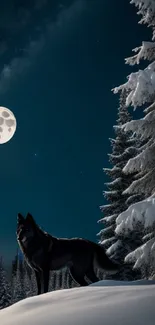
(30, 218)
(20, 218)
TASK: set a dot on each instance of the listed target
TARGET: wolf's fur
(44, 252)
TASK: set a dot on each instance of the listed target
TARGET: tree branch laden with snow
(144, 52)
(139, 213)
(140, 86)
(146, 8)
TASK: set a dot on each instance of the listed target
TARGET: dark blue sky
(59, 61)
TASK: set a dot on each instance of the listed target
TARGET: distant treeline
(22, 283)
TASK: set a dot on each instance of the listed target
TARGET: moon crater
(9, 122)
(1, 120)
(5, 114)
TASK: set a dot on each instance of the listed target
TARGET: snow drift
(106, 302)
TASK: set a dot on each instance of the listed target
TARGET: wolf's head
(26, 229)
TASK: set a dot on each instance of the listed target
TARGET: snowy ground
(104, 303)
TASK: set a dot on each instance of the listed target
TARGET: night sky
(58, 63)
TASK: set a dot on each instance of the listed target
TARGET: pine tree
(18, 290)
(5, 291)
(27, 286)
(64, 275)
(140, 91)
(58, 280)
(13, 277)
(124, 147)
(52, 282)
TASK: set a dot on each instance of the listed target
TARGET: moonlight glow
(8, 124)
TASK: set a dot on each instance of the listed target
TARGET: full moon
(8, 125)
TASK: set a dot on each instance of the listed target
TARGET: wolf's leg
(38, 279)
(90, 274)
(77, 276)
(46, 279)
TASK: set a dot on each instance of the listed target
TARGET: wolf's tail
(103, 261)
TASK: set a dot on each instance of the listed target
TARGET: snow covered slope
(107, 303)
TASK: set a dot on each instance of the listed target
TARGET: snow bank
(109, 303)
(113, 283)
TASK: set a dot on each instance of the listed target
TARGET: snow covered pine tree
(123, 148)
(5, 292)
(17, 285)
(140, 88)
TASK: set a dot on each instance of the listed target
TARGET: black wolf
(44, 252)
